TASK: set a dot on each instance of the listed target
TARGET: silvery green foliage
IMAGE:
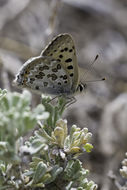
(123, 170)
(16, 119)
(49, 158)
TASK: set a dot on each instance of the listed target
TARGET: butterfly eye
(81, 87)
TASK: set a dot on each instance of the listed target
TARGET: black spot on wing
(68, 60)
(71, 75)
(53, 76)
(54, 70)
(70, 67)
(48, 75)
(66, 49)
(58, 66)
(41, 74)
(65, 77)
(31, 80)
(45, 67)
(40, 68)
(37, 87)
(60, 56)
(70, 50)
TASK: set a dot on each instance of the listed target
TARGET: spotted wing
(44, 75)
(62, 49)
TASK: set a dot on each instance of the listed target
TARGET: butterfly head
(81, 87)
(18, 80)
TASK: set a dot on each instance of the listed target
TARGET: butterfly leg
(53, 99)
(70, 101)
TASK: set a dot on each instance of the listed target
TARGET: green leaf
(39, 172)
(88, 147)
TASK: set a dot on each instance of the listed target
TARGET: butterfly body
(55, 71)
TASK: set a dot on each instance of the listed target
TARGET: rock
(113, 130)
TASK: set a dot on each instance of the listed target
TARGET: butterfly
(55, 71)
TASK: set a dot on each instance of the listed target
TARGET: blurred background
(97, 27)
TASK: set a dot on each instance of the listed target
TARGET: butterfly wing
(43, 75)
(62, 49)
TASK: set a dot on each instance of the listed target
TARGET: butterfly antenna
(97, 80)
(95, 59)
(91, 65)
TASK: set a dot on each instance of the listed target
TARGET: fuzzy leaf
(39, 172)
